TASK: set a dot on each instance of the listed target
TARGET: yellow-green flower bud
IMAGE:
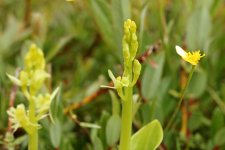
(126, 36)
(130, 40)
(133, 47)
(37, 80)
(43, 102)
(24, 78)
(133, 27)
(136, 67)
(125, 81)
(34, 59)
(126, 53)
(33, 79)
(136, 71)
(118, 83)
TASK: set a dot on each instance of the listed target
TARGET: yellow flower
(191, 57)
(43, 103)
(18, 117)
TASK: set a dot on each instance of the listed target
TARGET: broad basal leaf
(148, 137)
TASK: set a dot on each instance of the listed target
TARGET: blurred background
(81, 40)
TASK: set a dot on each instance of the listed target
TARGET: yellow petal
(194, 57)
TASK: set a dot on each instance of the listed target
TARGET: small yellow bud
(37, 80)
(118, 83)
(24, 78)
(43, 103)
(136, 71)
(137, 67)
(125, 81)
(133, 49)
(126, 53)
(133, 26)
(34, 59)
(130, 40)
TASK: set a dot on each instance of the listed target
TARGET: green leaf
(219, 138)
(20, 139)
(117, 19)
(217, 121)
(195, 120)
(54, 93)
(98, 144)
(56, 107)
(152, 77)
(126, 8)
(197, 84)
(148, 137)
(55, 133)
(198, 29)
(58, 46)
(89, 125)
(113, 129)
(115, 103)
(103, 19)
(142, 23)
(136, 104)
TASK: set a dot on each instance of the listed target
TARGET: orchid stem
(126, 128)
(33, 137)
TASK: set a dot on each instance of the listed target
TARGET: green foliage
(152, 78)
(82, 39)
(113, 129)
(148, 137)
(55, 133)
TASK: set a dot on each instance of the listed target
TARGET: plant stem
(33, 138)
(181, 99)
(126, 128)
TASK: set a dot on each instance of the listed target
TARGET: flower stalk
(124, 84)
(181, 99)
(33, 142)
(126, 127)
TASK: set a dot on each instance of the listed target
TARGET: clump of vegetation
(152, 99)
